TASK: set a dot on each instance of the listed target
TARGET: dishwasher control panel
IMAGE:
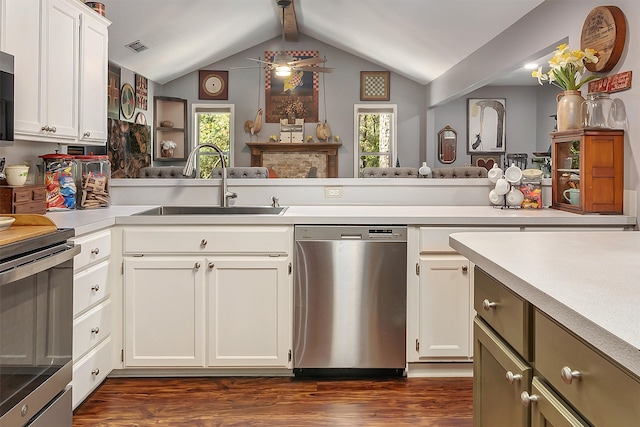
(350, 232)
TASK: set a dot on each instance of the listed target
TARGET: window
(213, 124)
(375, 136)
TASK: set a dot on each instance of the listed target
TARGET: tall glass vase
(570, 110)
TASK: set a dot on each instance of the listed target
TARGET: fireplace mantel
(328, 149)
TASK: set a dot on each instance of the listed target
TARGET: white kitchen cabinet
(249, 311)
(207, 297)
(92, 313)
(164, 312)
(46, 39)
(444, 326)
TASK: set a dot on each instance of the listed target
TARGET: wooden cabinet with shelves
(170, 124)
(591, 181)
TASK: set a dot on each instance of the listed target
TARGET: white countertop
(589, 282)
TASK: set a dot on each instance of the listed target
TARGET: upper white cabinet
(60, 49)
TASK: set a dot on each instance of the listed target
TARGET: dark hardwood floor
(281, 401)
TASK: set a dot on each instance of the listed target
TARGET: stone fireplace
(297, 160)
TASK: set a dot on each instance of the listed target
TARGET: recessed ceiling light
(531, 66)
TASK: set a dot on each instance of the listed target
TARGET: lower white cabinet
(188, 303)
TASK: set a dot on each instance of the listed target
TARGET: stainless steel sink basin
(214, 210)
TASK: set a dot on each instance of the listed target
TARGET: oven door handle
(38, 262)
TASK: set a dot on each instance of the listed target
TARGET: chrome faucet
(189, 169)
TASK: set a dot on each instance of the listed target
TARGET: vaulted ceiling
(419, 39)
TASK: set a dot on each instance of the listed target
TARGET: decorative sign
(609, 84)
(604, 30)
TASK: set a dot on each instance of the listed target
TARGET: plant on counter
(567, 68)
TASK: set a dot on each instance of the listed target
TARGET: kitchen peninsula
(577, 297)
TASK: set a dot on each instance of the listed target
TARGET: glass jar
(93, 182)
(531, 188)
(60, 173)
(596, 110)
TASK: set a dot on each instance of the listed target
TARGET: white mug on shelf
(495, 198)
(514, 197)
(502, 186)
(494, 173)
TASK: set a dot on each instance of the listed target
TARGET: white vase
(570, 110)
(424, 170)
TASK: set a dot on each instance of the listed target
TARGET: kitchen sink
(214, 210)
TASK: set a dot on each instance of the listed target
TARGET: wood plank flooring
(281, 401)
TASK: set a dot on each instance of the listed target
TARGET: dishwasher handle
(344, 236)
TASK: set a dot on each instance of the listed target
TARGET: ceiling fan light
(283, 71)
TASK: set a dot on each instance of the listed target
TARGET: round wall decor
(127, 101)
(605, 31)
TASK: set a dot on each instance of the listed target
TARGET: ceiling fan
(283, 64)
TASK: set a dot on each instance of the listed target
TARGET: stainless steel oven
(36, 324)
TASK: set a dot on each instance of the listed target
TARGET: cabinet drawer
(504, 311)
(94, 247)
(550, 410)
(436, 239)
(30, 208)
(91, 328)
(90, 371)
(227, 240)
(90, 286)
(604, 394)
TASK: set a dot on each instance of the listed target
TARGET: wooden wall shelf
(330, 149)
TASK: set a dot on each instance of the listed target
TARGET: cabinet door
(496, 401)
(249, 307)
(444, 307)
(61, 84)
(549, 410)
(164, 307)
(94, 42)
(22, 39)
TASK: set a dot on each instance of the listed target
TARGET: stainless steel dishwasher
(350, 292)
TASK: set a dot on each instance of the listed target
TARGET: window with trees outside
(375, 136)
(213, 124)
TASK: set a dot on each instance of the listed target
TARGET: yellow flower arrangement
(567, 68)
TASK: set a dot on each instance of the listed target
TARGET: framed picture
(485, 161)
(213, 84)
(294, 96)
(141, 92)
(113, 92)
(127, 101)
(374, 85)
(486, 130)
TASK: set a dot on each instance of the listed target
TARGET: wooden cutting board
(26, 226)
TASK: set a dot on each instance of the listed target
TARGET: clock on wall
(213, 85)
(605, 31)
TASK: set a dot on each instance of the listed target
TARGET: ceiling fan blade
(308, 61)
(314, 69)
(260, 60)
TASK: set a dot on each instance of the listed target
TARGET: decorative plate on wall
(127, 101)
(213, 85)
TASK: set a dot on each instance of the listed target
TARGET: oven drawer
(57, 414)
(507, 313)
(218, 239)
(91, 328)
(90, 371)
(94, 248)
(604, 394)
(90, 286)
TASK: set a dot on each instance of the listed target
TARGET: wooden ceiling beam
(290, 25)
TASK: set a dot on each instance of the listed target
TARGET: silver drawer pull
(87, 134)
(526, 398)
(95, 288)
(211, 265)
(203, 242)
(196, 265)
(568, 375)
(488, 305)
(465, 268)
(512, 378)
(95, 371)
(95, 330)
(95, 251)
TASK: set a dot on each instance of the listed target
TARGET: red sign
(610, 84)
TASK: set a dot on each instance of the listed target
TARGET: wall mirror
(447, 142)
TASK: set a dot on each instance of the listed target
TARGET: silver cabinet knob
(568, 375)
(211, 265)
(465, 268)
(95, 371)
(488, 305)
(53, 129)
(512, 378)
(87, 134)
(95, 251)
(95, 288)
(44, 128)
(203, 242)
(526, 398)
(196, 265)
(95, 330)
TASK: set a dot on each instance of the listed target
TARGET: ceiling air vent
(136, 46)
